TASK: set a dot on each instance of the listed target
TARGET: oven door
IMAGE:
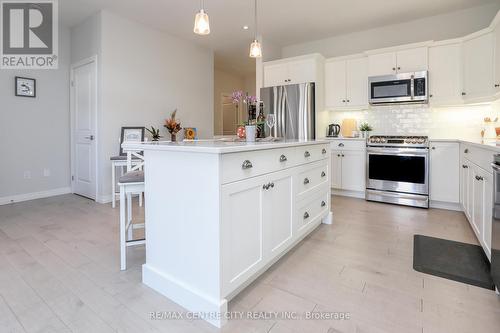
(398, 169)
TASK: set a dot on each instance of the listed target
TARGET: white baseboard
(104, 199)
(353, 194)
(445, 205)
(34, 195)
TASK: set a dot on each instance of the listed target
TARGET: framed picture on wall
(131, 134)
(25, 87)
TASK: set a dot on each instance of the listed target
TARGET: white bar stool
(130, 183)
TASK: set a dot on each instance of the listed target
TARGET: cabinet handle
(246, 165)
(479, 178)
(307, 154)
(283, 158)
(434, 148)
(306, 181)
(265, 186)
(463, 94)
(323, 174)
(465, 166)
(466, 150)
(306, 215)
(323, 151)
(497, 85)
(393, 68)
(271, 185)
(431, 95)
(323, 204)
(342, 155)
(399, 68)
(343, 101)
(338, 155)
(341, 144)
(348, 101)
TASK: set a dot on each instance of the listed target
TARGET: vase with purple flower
(249, 102)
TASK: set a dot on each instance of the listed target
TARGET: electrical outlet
(27, 174)
(46, 172)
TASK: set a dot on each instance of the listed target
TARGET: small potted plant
(365, 130)
(173, 126)
(155, 133)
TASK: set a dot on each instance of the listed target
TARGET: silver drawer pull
(283, 158)
(323, 204)
(246, 165)
(265, 186)
(323, 174)
(465, 166)
(479, 178)
(306, 215)
(466, 151)
(341, 144)
(323, 151)
(306, 181)
(307, 154)
(272, 185)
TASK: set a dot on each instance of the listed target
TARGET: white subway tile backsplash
(464, 122)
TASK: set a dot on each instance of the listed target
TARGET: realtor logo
(29, 34)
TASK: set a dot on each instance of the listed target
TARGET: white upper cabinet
(346, 83)
(403, 61)
(478, 52)
(335, 83)
(291, 71)
(382, 64)
(497, 59)
(445, 74)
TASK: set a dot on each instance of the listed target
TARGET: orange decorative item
(240, 132)
(190, 133)
(173, 126)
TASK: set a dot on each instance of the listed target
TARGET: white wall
(146, 74)
(440, 27)
(34, 132)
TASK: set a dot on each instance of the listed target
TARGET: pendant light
(255, 47)
(201, 22)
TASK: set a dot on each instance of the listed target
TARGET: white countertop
(215, 146)
(490, 144)
(342, 138)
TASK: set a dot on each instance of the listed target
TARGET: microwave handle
(412, 87)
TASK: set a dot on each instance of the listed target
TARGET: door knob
(283, 158)
(91, 138)
(307, 154)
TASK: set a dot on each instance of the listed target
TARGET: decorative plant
(365, 127)
(155, 133)
(239, 96)
(171, 124)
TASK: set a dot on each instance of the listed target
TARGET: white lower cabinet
(264, 215)
(476, 194)
(348, 170)
(444, 174)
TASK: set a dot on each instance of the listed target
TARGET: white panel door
(277, 215)
(353, 170)
(336, 169)
(497, 59)
(382, 64)
(444, 174)
(478, 67)
(335, 83)
(301, 71)
(445, 74)
(84, 129)
(412, 60)
(275, 75)
(357, 82)
(242, 222)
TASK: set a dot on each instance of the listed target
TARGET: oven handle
(398, 151)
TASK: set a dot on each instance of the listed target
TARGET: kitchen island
(218, 214)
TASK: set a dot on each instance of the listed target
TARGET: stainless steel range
(398, 170)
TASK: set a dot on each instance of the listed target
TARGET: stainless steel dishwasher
(495, 225)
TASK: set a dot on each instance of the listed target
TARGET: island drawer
(313, 176)
(312, 208)
(481, 156)
(312, 153)
(238, 166)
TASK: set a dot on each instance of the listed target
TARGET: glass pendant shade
(201, 23)
(255, 49)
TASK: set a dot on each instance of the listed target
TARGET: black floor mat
(456, 261)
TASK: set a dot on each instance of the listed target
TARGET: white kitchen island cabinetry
(218, 214)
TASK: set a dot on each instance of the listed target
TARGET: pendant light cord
(255, 12)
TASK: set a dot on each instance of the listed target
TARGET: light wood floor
(59, 272)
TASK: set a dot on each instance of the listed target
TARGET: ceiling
(284, 22)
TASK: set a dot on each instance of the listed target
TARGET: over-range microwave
(399, 88)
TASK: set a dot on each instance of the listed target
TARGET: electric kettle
(333, 130)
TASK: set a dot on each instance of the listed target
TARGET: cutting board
(348, 126)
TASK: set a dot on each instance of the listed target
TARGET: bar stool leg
(129, 215)
(123, 241)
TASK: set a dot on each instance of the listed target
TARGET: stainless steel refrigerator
(293, 106)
